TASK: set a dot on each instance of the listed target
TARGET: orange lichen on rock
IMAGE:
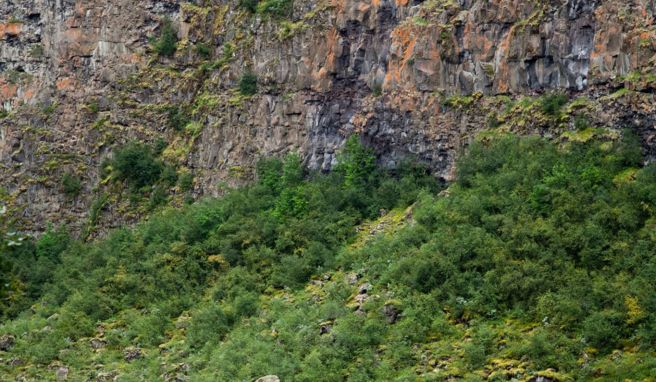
(324, 60)
(502, 78)
(403, 46)
(10, 29)
(66, 84)
(8, 91)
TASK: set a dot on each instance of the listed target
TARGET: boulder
(268, 378)
(6, 342)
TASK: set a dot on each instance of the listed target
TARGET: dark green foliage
(277, 8)
(210, 324)
(604, 329)
(166, 44)
(540, 257)
(203, 50)
(516, 231)
(249, 5)
(169, 176)
(357, 164)
(158, 197)
(93, 107)
(274, 8)
(186, 181)
(177, 118)
(552, 103)
(248, 84)
(98, 204)
(27, 269)
(71, 185)
(377, 90)
(276, 233)
(581, 122)
(136, 164)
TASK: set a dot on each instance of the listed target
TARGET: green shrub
(93, 107)
(203, 50)
(552, 103)
(603, 329)
(136, 164)
(248, 84)
(209, 325)
(249, 5)
(71, 185)
(97, 206)
(581, 122)
(186, 181)
(169, 176)
(166, 44)
(277, 8)
(357, 164)
(377, 90)
(177, 118)
(475, 356)
(539, 252)
(158, 197)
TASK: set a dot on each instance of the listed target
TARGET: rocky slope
(79, 78)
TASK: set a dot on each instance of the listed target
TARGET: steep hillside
(536, 264)
(327, 190)
(222, 83)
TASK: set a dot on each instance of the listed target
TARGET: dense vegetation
(538, 260)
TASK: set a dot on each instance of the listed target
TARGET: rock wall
(412, 78)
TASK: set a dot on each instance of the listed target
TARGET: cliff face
(413, 78)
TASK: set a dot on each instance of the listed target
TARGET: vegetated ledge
(535, 264)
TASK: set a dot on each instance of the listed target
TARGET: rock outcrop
(412, 78)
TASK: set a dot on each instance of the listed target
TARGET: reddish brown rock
(80, 78)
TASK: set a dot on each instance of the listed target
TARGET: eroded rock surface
(79, 78)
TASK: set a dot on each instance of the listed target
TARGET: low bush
(248, 84)
(552, 103)
(136, 164)
(166, 44)
(249, 5)
(276, 8)
(71, 185)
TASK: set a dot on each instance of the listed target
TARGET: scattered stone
(352, 278)
(391, 313)
(325, 327)
(178, 373)
(130, 354)
(364, 288)
(106, 376)
(16, 362)
(268, 378)
(541, 379)
(361, 298)
(97, 343)
(6, 342)
(62, 373)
